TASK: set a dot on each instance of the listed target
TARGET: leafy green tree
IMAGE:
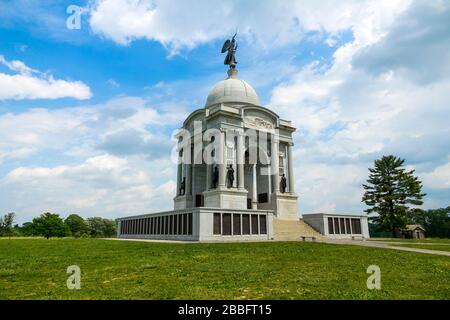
(110, 228)
(17, 231)
(27, 229)
(77, 225)
(376, 231)
(391, 189)
(435, 221)
(6, 224)
(50, 225)
(100, 227)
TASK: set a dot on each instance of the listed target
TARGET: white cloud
(188, 23)
(26, 133)
(325, 187)
(439, 178)
(108, 160)
(88, 130)
(427, 40)
(103, 185)
(113, 83)
(28, 83)
(348, 115)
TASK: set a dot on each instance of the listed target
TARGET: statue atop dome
(230, 46)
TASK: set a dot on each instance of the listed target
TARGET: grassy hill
(36, 269)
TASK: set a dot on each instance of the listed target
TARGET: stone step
(293, 230)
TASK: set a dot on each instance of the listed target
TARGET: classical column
(275, 154)
(208, 176)
(222, 160)
(187, 170)
(269, 187)
(178, 178)
(291, 169)
(240, 160)
(193, 169)
(255, 189)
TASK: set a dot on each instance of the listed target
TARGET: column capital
(240, 132)
(275, 138)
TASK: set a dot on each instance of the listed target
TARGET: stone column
(188, 179)
(222, 160)
(193, 169)
(255, 189)
(188, 172)
(291, 169)
(269, 187)
(208, 176)
(178, 178)
(240, 160)
(275, 151)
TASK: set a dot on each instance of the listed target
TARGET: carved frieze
(257, 122)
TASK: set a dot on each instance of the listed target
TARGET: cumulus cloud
(101, 185)
(325, 187)
(119, 159)
(25, 134)
(350, 112)
(439, 178)
(418, 45)
(27, 83)
(186, 24)
(131, 141)
(87, 130)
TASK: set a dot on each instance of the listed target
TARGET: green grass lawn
(36, 269)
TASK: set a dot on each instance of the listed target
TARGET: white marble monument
(235, 173)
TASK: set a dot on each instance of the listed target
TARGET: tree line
(436, 223)
(52, 225)
(394, 195)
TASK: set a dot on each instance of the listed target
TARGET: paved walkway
(387, 245)
(400, 243)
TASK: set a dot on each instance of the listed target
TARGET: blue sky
(86, 115)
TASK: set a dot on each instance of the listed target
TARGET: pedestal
(182, 202)
(286, 205)
(226, 198)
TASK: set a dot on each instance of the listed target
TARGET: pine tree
(391, 189)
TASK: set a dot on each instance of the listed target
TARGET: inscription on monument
(257, 122)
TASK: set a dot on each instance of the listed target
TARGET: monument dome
(232, 90)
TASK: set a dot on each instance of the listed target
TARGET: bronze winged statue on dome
(230, 46)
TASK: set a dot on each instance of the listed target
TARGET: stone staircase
(293, 230)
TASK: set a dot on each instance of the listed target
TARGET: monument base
(183, 202)
(286, 207)
(222, 197)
